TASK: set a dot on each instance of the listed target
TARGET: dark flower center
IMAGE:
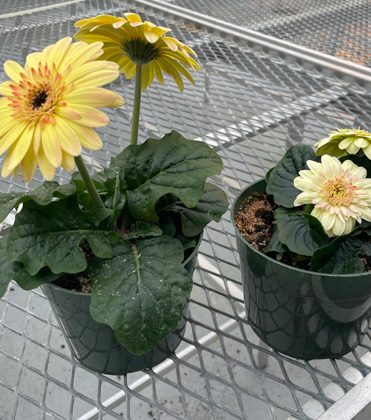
(139, 50)
(40, 99)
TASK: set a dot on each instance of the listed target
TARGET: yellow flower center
(338, 192)
(358, 132)
(36, 95)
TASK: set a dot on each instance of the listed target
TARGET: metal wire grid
(250, 107)
(340, 28)
(10, 6)
(23, 14)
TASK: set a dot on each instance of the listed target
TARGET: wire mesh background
(340, 28)
(250, 107)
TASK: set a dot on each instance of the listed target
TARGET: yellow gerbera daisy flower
(344, 141)
(49, 106)
(129, 41)
(340, 192)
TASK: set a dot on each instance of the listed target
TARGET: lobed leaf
(341, 256)
(302, 233)
(145, 286)
(171, 164)
(15, 271)
(211, 207)
(42, 195)
(51, 236)
(281, 179)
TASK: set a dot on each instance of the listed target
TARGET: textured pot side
(301, 313)
(95, 345)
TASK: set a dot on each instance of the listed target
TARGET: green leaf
(187, 243)
(268, 174)
(42, 195)
(143, 229)
(28, 282)
(212, 205)
(302, 233)
(341, 256)
(51, 236)
(275, 245)
(364, 227)
(145, 286)
(167, 220)
(8, 269)
(97, 178)
(281, 180)
(171, 164)
(16, 271)
(115, 186)
(281, 212)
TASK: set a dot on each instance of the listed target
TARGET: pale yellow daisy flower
(344, 141)
(129, 41)
(49, 106)
(340, 192)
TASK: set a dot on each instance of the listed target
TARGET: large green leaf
(145, 286)
(302, 233)
(42, 195)
(16, 271)
(341, 256)
(171, 164)
(281, 179)
(52, 235)
(212, 205)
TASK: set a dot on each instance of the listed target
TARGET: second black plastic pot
(301, 313)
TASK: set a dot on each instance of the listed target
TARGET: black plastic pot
(301, 313)
(95, 345)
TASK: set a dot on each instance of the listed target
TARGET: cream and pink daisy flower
(340, 192)
(49, 107)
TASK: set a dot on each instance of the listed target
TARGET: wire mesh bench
(259, 94)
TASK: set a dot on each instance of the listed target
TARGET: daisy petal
(13, 70)
(29, 163)
(46, 168)
(88, 137)
(68, 139)
(51, 146)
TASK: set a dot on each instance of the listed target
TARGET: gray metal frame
(256, 97)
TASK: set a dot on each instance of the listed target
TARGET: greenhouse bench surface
(270, 80)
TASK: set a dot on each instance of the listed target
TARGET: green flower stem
(136, 106)
(308, 209)
(88, 182)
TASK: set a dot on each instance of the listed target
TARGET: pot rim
(234, 210)
(195, 250)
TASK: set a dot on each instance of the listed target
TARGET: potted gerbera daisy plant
(113, 251)
(304, 238)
